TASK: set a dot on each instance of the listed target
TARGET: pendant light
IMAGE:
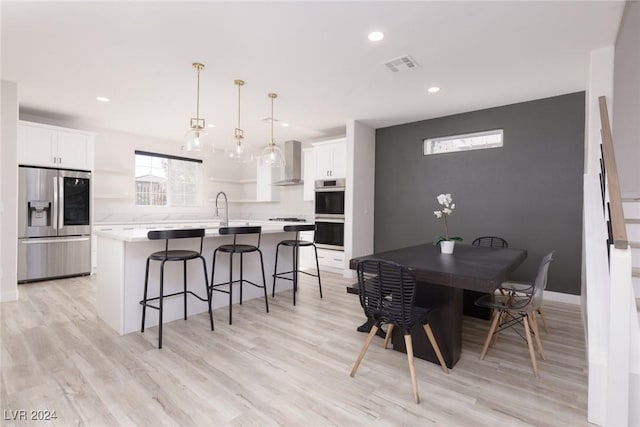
(272, 155)
(196, 139)
(239, 153)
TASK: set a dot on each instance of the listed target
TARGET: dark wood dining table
(442, 278)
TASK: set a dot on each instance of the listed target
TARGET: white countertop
(140, 234)
(185, 221)
(159, 221)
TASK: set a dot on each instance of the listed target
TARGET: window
(469, 141)
(163, 180)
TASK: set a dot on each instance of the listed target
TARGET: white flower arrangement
(447, 201)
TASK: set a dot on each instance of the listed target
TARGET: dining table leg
(445, 321)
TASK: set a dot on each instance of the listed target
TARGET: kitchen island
(122, 257)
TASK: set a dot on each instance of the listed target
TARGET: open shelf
(232, 181)
(113, 196)
(212, 200)
(113, 171)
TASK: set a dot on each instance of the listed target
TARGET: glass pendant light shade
(238, 153)
(196, 139)
(272, 154)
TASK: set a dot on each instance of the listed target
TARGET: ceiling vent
(402, 63)
(267, 120)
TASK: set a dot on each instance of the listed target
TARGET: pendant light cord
(198, 99)
(272, 96)
(239, 86)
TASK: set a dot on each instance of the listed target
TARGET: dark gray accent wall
(528, 192)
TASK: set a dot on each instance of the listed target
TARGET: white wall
(626, 126)
(114, 170)
(291, 204)
(599, 83)
(361, 150)
(116, 151)
(9, 193)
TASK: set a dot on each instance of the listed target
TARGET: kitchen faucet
(224, 223)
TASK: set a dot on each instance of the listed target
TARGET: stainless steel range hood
(292, 164)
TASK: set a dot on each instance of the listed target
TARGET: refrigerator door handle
(39, 240)
(61, 202)
(54, 220)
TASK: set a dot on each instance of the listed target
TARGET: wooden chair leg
(494, 323)
(367, 343)
(544, 321)
(494, 338)
(412, 368)
(387, 337)
(532, 353)
(533, 320)
(436, 348)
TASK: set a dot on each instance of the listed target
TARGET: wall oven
(330, 233)
(329, 213)
(329, 198)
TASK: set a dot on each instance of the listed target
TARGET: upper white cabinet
(44, 145)
(330, 158)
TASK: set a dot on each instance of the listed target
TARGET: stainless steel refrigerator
(54, 223)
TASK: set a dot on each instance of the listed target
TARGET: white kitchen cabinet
(52, 146)
(330, 159)
(331, 260)
(309, 173)
(307, 254)
(94, 240)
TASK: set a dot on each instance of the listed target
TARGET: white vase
(446, 246)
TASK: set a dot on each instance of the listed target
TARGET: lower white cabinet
(307, 255)
(328, 259)
(331, 260)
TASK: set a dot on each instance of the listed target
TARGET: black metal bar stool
(237, 248)
(173, 255)
(296, 245)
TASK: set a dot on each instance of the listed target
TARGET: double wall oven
(329, 213)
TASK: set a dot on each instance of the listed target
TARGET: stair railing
(612, 326)
(609, 174)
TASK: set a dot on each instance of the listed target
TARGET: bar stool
(296, 245)
(241, 249)
(173, 255)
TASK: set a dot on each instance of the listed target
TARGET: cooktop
(288, 219)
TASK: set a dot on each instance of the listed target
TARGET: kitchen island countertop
(140, 234)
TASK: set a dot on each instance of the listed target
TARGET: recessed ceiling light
(376, 36)
(102, 99)
(211, 125)
(434, 89)
(285, 125)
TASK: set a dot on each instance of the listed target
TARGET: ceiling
(314, 55)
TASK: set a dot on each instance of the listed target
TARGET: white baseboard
(560, 297)
(9, 296)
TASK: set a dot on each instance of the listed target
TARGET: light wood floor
(289, 367)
